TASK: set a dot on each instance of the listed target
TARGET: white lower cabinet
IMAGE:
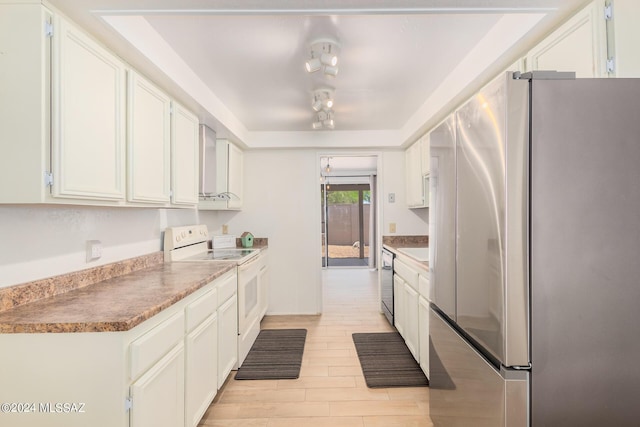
(411, 308)
(423, 315)
(159, 393)
(163, 372)
(227, 338)
(411, 321)
(201, 382)
(263, 285)
(398, 304)
(201, 356)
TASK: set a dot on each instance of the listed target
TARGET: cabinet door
(408, 167)
(201, 383)
(423, 314)
(88, 138)
(158, 396)
(227, 338)
(214, 168)
(263, 289)
(579, 45)
(411, 320)
(398, 304)
(425, 155)
(184, 157)
(626, 38)
(413, 166)
(148, 142)
(235, 182)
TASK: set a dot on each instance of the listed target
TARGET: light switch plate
(392, 227)
(392, 197)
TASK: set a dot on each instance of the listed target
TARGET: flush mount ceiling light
(322, 100)
(323, 55)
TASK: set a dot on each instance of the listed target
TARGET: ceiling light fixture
(323, 55)
(328, 122)
(322, 99)
(313, 64)
(324, 120)
(330, 71)
(328, 168)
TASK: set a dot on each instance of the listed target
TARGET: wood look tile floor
(331, 390)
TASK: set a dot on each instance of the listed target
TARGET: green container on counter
(246, 239)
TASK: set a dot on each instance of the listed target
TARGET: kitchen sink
(420, 254)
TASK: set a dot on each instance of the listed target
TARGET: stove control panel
(178, 237)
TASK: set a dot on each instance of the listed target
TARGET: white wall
(44, 241)
(282, 202)
(408, 221)
(279, 203)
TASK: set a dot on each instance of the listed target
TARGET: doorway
(348, 211)
(347, 215)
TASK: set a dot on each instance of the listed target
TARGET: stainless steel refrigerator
(535, 255)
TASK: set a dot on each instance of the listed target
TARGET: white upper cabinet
(89, 114)
(184, 157)
(61, 144)
(425, 154)
(417, 165)
(578, 45)
(221, 173)
(235, 177)
(149, 139)
(25, 89)
(624, 37)
(66, 123)
(88, 136)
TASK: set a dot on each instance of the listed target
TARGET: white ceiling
(240, 63)
(388, 64)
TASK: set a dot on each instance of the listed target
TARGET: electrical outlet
(94, 250)
(392, 197)
(392, 227)
(225, 229)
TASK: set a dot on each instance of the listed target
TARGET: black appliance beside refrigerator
(386, 291)
(535, 248)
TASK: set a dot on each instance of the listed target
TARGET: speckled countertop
(114, 304)
(394, 242)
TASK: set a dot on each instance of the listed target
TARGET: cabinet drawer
(150, 347)
(227, 287)
(408, 274)
(201, 308)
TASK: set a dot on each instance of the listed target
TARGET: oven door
(248, 307)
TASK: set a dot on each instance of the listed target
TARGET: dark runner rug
(275, 355)
(387, 362)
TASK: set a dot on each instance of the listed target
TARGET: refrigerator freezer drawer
(465, 390)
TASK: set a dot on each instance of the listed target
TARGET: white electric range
(191, 244)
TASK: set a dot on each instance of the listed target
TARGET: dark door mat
(387, 362)
(275, 355)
